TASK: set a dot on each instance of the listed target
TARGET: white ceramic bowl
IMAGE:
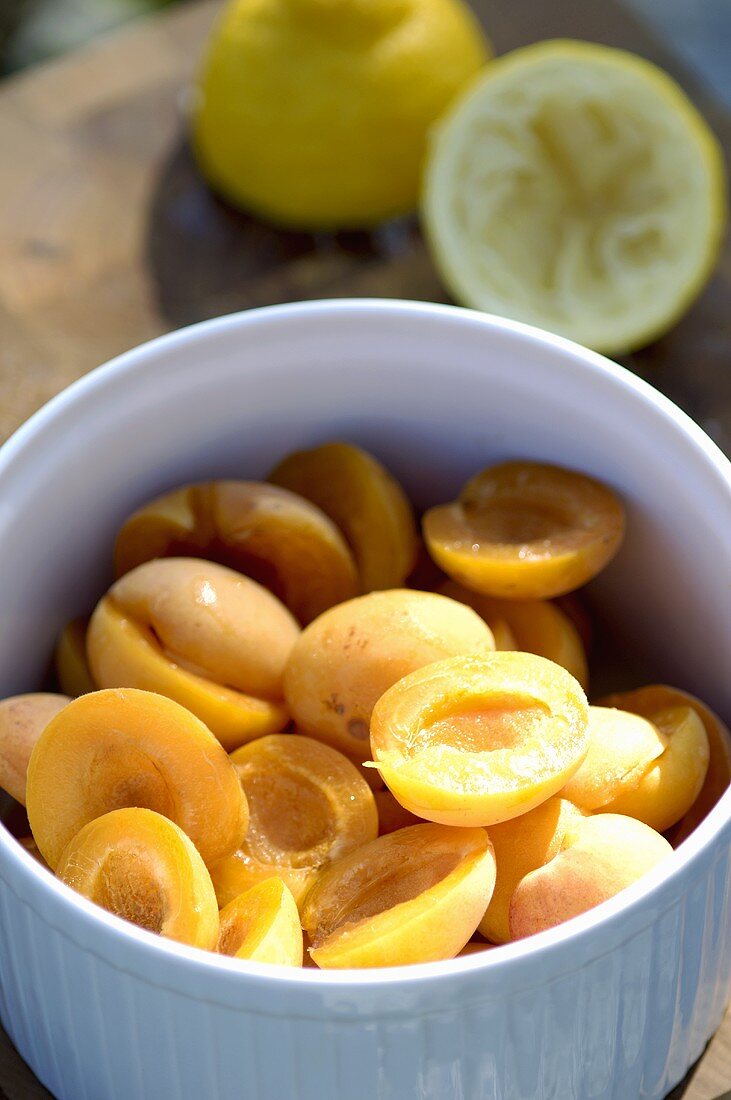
(615, 1004)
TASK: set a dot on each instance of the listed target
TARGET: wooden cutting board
(108, 237)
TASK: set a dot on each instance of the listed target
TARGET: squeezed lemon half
(575, 187)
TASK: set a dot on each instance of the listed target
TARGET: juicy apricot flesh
(142, 867)
(524, 530)
(415, 895)
(599, 857)
(118, 748)
(532, 626)
(72, 665)
(262, 925)
(211, 639)
(268, 533)
(23, 719)
(308, 805)
(481, 739)
(658, 697)
(366, 503)
(343, 662)
(521, 845)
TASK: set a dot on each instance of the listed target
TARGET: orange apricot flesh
(526, 530)
(657, 697)
(142, 867)
(23, 719)
(364, 500)
(240, 871)
(622, 746)
(343, 662)
(308, 805)
(482, 739)
(211, 639)
(670, 785)
(72, 666)
(415, 895)
(262, 925)
(119, 748)
(600, 856)
(534, 626)
(274, 536)
(521, 845)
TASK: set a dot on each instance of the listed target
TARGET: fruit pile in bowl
(294, 716)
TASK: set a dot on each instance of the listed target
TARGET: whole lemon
(314, 113)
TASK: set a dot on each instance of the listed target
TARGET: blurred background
(33, 30)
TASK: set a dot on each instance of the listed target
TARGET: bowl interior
(436, 393)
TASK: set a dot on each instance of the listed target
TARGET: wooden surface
(108, 237)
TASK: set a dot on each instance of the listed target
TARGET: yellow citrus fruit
(314, 113)
(575, 187)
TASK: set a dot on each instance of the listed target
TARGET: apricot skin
(366, 503)
(72, 666)
(344, 661)
(525, 530)
(142, 867)
(480, 739)
(601, 856)
(521, 845)
(531, 626)
(415, 895)
(118, 748)
(656, 697)
(268, 533)
(262, 925)
(211, 639)
(23, 719)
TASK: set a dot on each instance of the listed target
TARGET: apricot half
(142, 867)
(658, 697)
(23, 719)
(622, 746)
(117, 748)
(481, 739)
(274, 536)
(366, 503)
(72, 665)
(211, 639)
(599, 857)
(521, 845)
(262, 925)
(525, 530)
(344, 661)
(415, 895)
(308, 805)
(532, 626)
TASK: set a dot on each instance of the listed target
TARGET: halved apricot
(599, 857)
(364, 500)
(415, 895)
(211, 639)
(481, 739)
(23, 719)
(658, 697)
(669, 786)
(142, 867)
(534, 626)
(308, 805)
(72, 667)
(274, 536)
(117, 748)
(240, 871)
(526, 530)
(344, 661)
(263, 925)
(622, 746)
(521, 845)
